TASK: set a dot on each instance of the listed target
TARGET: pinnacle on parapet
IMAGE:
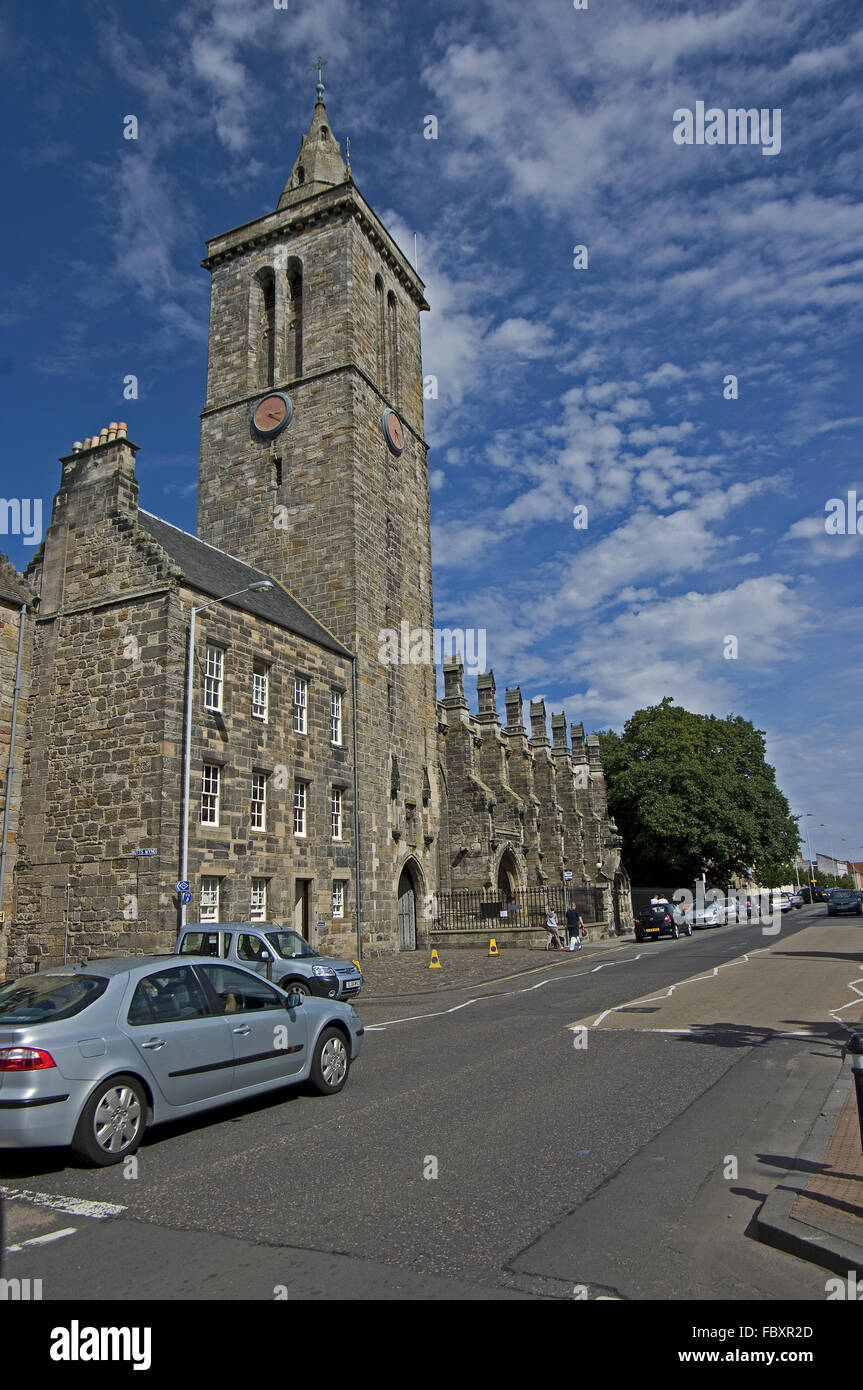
(514, 709)
(485, 689)
(538, 725)
(453, 682)
(558, 732)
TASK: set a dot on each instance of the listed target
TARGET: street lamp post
(808, 849)
(258, 587)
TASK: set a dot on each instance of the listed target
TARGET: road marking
(504, 994)
(41, 1240)
(708, 1028)
(72, 1206)
(659, 998)
(852, 1003)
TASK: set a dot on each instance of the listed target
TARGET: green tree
(694, 794)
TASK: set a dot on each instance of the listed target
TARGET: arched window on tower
(294, 320)
(262, 328)
(381, 334)
(393, 345)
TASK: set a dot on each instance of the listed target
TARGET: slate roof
(215, 572)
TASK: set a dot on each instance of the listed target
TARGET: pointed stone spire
(319, 164)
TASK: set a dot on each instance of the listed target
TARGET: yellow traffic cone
(492, 948)
(434, 963)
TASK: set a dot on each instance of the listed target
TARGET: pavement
(816, 1210)
(408, 974)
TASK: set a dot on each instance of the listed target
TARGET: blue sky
(558, 387)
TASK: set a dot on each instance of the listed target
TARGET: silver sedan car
(91, 1055)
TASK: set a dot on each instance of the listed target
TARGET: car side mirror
(295, 999)
(265, 955)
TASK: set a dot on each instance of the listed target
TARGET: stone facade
(328, 520)
(16, 602)
(327, 506)
(521, 810)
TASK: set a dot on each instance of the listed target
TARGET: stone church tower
(313, 467)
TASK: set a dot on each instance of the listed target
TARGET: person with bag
(554, 942)
(574, 927)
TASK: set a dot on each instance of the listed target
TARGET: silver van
(278, 953)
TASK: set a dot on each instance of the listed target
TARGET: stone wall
(534, 807)
(13, 593)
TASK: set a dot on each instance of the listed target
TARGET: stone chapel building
(327, 789)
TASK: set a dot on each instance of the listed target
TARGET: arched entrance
(407, 912)
(507, 877)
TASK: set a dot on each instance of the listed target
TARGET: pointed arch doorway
(507, 877)
(407, 911)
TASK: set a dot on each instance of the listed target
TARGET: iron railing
(478, 909)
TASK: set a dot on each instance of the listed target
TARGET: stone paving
(833, 1199)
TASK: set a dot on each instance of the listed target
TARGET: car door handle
(154, 1044)
(245, 1029)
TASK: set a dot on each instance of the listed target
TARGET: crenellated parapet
(517, 797)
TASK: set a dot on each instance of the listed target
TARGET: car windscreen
(289, 945)
(48, 998)
(844, 895)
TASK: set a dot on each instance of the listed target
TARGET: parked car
(781, 902)
(797, 900)
(92, 1055)
(709, 914)
(276, 952)
(658, 920)
(844, 900)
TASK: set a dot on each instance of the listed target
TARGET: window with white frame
(259, 801)
(209, 905)
(338, 898)
(258, 901)
(336, 813)
(214, 668)
(301, 705)
(300, 802)
(210, 792)
(335, 716)
(260, 691)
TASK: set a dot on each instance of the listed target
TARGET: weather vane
(318, 66)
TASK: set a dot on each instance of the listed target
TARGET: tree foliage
(694, 794)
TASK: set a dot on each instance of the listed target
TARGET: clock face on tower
(393, 431)
(272, 414)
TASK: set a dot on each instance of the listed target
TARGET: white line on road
(41, 1240)
(72, 1206)
(693, 980)
(504, 994)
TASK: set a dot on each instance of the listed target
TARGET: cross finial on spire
(317, 66)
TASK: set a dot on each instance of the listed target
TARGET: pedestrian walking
(574, 927)
(554, 942)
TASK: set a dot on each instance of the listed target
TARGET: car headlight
(322, 970)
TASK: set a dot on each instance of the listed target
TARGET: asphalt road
(567, 1163)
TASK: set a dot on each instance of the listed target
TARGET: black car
(844, 900)
(658, 920)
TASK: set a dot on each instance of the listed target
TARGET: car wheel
(112, 1122)
(688, 928)
(297, 986)
(331, 1062)
(675, 931)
